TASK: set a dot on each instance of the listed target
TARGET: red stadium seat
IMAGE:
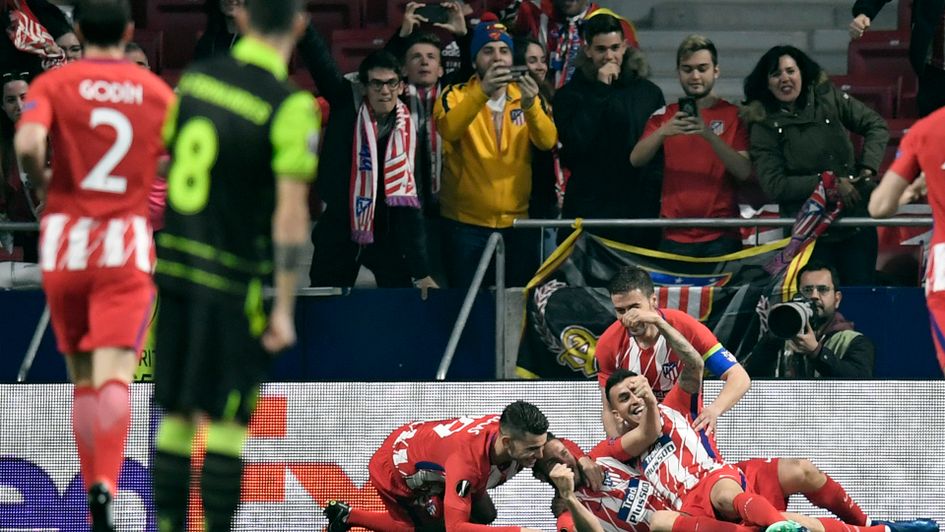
(879, 94)
(880, 54)
(152, 42)
(905, 15)
(184, 20)
(349, 47)
(328, 15)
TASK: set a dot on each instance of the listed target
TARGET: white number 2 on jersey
(100, 178)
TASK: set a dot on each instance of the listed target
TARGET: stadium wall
(883, 441)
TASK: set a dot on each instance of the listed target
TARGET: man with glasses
(373, 216)
(829, 348)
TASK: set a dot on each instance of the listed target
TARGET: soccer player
(242, 140)
(648, 349)
(103, 116)
(921, 164)
(435, 472)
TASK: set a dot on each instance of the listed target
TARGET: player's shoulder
(613, 332)
(678, 318)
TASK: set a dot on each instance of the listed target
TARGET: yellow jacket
(486, 183)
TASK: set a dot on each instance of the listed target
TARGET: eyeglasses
(14, 76)
(378, 85)
(821, 288)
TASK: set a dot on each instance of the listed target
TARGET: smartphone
(518, 71)
(688, 105)
(434, 13)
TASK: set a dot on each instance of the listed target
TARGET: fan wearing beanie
(489, 125)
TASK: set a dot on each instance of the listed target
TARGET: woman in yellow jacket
(488, 126)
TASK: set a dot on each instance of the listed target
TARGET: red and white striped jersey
(659, 363)
(104, 119)
(83, 243)
(680, 458)
(626, 500)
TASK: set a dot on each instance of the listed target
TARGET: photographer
(828, 348)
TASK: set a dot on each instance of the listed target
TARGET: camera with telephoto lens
(787, 320)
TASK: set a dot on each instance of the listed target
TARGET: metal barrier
(717, 222)
(496, 246)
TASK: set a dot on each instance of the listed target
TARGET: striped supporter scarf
(28, 35)
(421, 103)
(815, 216)
(400, 188)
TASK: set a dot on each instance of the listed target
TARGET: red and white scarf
(28, 35)
(814, 218)
(400, 189)
(563, 41)
(421, 103)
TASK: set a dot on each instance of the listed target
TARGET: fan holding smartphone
(446, 15)
(705, 149)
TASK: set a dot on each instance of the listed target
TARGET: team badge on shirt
(463, 487)
(518, 117)
(717, 127)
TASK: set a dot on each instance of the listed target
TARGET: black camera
(787, 320)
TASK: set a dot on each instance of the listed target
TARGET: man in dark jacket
(829, 348)
(600, 115)
(373, 214)
(926, 46)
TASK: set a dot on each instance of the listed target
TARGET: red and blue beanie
(488, 30)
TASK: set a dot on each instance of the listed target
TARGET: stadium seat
(883, 54)
(349, 47)
(881, 95)
(328, 15)
(152, 42)
(185, 20)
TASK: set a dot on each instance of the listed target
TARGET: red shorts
(761, 476)
(99, 308)
(400, 500)
(936, 304)
(698, 501)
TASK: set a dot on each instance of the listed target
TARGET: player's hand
(849, 193)
(608, 73)
(425, 285)
(858, 26)
(805, 343)
(497, 76)
(593, 473)
(411, 19)
(640, 387)
(707, 419)
(456, 23)
(915, 191)
(281, 332)
(563, 479)
(529, 89)
(636, 318)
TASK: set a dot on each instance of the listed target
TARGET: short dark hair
(520, 418)
(616, 378)
(756, 84)
(520, 48)
(379, 59)
(102, 22)
(816, 265)
(599, 24)
(272, 17)
(693, 44)
(424, 37)
(630, 278)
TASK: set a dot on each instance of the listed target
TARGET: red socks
(685, 523)
(835, 525)
(84, 402)
(756, 510)
(378, 521)
(831, 496)
(112, 417)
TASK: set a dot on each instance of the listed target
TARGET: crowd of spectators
(461, 126)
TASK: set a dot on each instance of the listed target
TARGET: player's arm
(563, 479)
(719, 362)
(30, 145)
(462, 479)
(885, 200)
(737, 383)
(690, 377)
(294, 135)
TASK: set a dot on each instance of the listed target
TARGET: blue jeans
(463, 245)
